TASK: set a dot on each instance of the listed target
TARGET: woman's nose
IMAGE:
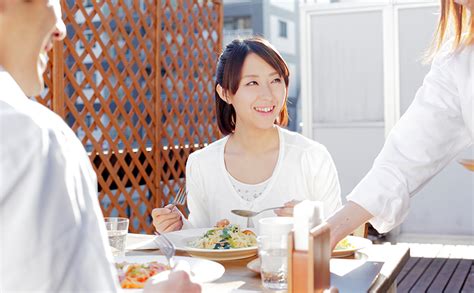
(266, 91)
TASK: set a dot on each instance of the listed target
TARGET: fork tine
(181, 197)
(178, 198)
(167, 240)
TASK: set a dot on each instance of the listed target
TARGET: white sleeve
(197, 200)
(323, 181)
(427, 137)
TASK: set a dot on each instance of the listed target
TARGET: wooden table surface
(374, 269)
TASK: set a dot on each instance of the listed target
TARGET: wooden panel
(444, 275)
(459, 276)
(469, 285)
(407, 268)
(134, 80)
(415, 273)
(429, 275)
(438, 254)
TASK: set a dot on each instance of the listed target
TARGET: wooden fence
(134, 80)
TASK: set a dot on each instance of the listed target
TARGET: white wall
(353, 151)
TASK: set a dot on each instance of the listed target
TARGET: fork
(180, 198)
(166, 247)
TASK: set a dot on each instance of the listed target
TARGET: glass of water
(117, 229)
(273, 253)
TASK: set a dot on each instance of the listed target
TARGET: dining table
(371, 269)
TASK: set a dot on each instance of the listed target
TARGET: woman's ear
(222, 94)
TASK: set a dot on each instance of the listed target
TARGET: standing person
(53, 236)
(436, 127)
(258, 164)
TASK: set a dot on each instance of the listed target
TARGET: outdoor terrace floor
(438, 268)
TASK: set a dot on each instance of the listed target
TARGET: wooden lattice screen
(134, 80)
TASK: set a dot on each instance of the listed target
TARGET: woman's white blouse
(304, 170)
(435, 128)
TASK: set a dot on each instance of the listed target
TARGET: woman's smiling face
(260, 96)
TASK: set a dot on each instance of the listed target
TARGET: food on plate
(134, 275)
(344, 244)
(225, 236)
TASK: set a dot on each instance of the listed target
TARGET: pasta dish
(344, 244)
(225, 236)
(132, 276)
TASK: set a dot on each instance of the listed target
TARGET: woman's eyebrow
(250, 75)
(256, 75)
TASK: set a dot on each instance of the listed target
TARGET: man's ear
(221, 93)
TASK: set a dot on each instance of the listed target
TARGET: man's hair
(229, 74)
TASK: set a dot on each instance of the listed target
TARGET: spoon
(249, 214)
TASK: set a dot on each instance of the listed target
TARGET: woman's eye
(252, 83)
(277, 80)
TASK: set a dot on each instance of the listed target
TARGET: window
(282, 29)
(88, 3)
(237, 23)
(88, 36)
(88, 119)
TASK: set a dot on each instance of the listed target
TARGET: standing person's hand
(167, 219)
(178, 282)
(287, 211)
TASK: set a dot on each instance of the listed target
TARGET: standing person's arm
(428, 136)
(346, 220)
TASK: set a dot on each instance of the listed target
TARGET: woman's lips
(265, 109)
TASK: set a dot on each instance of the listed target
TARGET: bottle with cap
(310, 250)
(306, 215)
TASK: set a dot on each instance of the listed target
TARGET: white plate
(357, 244)
(202, 270)
(140, 242)
(181, 240)
(336, 264)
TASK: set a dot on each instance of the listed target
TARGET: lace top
(248, 192)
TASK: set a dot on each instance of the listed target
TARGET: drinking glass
(273, 253)
(117, 229)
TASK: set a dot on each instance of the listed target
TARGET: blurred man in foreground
(53, 236)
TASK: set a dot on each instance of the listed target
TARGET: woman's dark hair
(229, 73)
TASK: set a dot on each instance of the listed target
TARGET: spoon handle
(268, 209)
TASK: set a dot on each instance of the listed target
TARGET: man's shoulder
(18, 114)
(27, 117)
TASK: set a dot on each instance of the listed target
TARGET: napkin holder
(308, 271)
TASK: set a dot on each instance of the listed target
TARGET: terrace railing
(134, 80)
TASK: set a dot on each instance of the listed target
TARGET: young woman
(257, 164)
(436, 127)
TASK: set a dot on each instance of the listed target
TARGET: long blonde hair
(453, 19)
